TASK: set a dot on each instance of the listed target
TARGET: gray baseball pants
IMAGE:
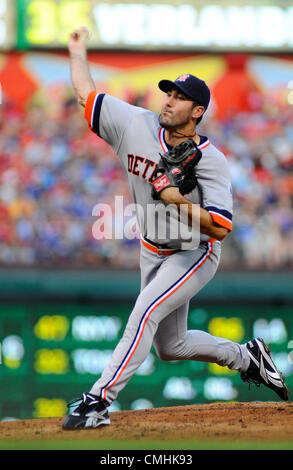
(159, 318)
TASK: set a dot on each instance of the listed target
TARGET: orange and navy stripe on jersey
(220, 217)
(92, 110)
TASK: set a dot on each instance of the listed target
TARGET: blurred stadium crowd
(53, 171)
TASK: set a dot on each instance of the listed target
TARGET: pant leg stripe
(147, 314)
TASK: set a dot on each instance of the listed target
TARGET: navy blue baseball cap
(193, 87)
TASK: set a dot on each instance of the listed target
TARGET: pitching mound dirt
(258, 421)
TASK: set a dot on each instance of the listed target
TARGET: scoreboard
(226, 25)
(53, 351)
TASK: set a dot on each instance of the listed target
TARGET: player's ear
(197, 111)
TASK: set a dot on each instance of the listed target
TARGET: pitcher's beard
(174, 129)
(163, 124)
(171, 127)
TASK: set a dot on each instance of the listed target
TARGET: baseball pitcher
(167, 164)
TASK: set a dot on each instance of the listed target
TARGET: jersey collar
(204, 141)
(162, 140)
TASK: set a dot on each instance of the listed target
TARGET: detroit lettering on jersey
(138, 140)
(144, 167)
(141, 166)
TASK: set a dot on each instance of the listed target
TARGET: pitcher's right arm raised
(81, 78)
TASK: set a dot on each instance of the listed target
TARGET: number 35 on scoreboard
(51, 22)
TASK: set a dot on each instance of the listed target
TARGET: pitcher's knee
(167, 353)
(166, 357)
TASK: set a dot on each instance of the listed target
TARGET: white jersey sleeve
(109, 117)
(213, 177)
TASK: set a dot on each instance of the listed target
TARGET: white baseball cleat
(262, 369)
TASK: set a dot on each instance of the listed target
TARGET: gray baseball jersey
(138, 140)
(170, 276)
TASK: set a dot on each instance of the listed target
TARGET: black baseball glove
(176, 168)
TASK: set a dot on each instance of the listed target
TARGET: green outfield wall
(58, 330)
(125, 285)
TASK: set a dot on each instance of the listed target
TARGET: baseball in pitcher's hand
(78, 40)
